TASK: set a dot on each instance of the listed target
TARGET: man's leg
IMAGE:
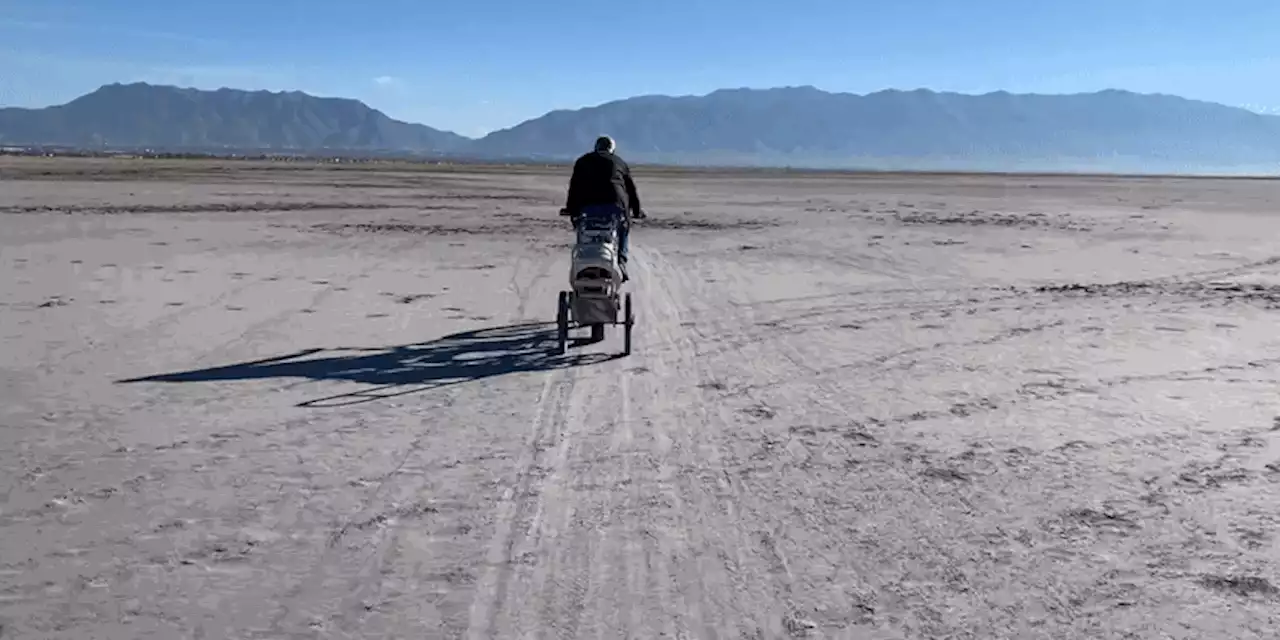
(624, 231)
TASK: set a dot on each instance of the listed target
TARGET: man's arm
(633, 195)
(575, 189)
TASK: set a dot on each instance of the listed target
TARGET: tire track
(857, 293)
(561, 589)
(603, 566)
(759, 565)
(1213, 274)
(373, 527)
(666, 502)
(548, 576)
(612, 574)
(626, 604)
(793, 355)
(546, 262)
(518, 506)
(572, 551)
(730, 586)
(784, 326)
(545, 587)
(793, 593)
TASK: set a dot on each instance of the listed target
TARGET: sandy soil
(280, 401)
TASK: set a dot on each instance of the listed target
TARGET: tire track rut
(520, 507)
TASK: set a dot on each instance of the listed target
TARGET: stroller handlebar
(635, 215)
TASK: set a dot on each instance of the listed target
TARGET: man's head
(605, 144)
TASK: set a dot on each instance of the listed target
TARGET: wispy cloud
(207, 76)
(1263, 109)
(124, 32)
(387, 81)
(137, 71)
(34, 79)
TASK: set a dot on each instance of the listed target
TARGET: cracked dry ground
(255, 402)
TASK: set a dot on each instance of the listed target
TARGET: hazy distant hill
(804, 125)
(141, 114)
(798, 126)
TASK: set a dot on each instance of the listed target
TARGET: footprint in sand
(949, 475)
(760, 411)
(56, 301)
(1246, 586)
(410, 298)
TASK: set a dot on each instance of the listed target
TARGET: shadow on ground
(407, 369)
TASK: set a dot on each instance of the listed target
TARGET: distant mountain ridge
(817, 127)
(145, 115)
(797, 126)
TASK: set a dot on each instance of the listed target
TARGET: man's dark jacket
(598, 178)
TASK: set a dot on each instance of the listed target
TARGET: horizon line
(1266, 112)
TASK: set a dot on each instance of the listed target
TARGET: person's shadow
(405, 369)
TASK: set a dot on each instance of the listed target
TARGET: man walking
(601, 183)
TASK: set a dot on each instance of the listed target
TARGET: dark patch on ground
(977, 218)
(521, 227)
(56, 301)
(1223, 292)
(699, 224)
(206, 207)
(760, 411)
(409, 511)
(410, 298)
(1240, 586)
(949, 475)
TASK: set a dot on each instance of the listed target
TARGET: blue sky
(472, 66)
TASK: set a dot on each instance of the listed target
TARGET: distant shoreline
(353, 161)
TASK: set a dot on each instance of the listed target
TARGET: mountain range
(790, 126)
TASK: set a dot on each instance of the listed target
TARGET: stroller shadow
(406, 369)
